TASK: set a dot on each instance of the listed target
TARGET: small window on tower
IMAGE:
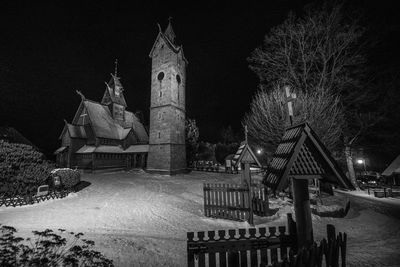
(160, 76)
(178, 79)
(159, 135)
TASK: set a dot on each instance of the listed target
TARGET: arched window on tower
(160, 77)
(178, 80)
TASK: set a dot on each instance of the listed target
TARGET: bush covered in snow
(69, 177)
(22, 169)
(48, 249)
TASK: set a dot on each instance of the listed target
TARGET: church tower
(167, 151)
(114, 98)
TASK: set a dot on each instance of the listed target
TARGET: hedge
(68, 177)
(22, 169)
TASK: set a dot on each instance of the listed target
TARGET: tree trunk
(350, 166)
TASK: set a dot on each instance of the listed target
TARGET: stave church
(106, 135)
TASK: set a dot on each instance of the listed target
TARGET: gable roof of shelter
(245, 150)
(301, 154)
(393, 168)
(170, 43)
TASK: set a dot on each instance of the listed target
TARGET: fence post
(190, 254)
(266, 201)
(292, 231)
(302, 211)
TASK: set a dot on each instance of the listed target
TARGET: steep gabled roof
(301, 154)
(393, 168)
(245, 153)
(171, 43)
(110, 95)
(102, 123)
(132, 121)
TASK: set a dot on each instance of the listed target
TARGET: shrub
(48, 249)
(69, 178)
(223, 150)
(206, 151)
(22, 169)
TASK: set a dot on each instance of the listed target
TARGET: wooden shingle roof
(301, 154)
(245, 153)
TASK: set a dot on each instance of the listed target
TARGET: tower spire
(169, 32)
(116, 67)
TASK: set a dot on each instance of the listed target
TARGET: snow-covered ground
(370, 196)
(141, 219)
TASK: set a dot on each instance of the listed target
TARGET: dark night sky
(47, 51)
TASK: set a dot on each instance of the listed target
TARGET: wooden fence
(251, 247)
(331, 252)
(232, 202)
(28, 200)
(263, 248)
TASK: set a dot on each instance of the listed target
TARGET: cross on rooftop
(290, 98)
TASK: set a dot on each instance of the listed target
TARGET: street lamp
(259, 151)
(362, 161)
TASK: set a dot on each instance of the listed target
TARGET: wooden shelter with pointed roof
(245, 154)
(301, 155)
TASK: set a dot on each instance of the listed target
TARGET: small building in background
(392, 172)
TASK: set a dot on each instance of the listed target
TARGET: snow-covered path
(139, 219)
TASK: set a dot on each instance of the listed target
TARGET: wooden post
(247, 180)
(302, 211)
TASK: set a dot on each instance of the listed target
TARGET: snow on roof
(137, 149)
(102, 122)
(132, 121)
(76, 131)
(59, 150)
(86, 149)
(301, 153)
(393, 168)
(245, 153)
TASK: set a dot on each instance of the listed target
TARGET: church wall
(108, 160)
(83, 161)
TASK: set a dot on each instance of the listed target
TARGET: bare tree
(319, 51)
(268, 116)
(319, 54)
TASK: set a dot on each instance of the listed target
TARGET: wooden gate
(241, 247)
(230, 201)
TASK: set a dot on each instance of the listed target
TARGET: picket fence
(264, 248)
(232, 202)
(241, 247)
(330, 252)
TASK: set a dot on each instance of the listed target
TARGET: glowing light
(360, 161)
(259, 151)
